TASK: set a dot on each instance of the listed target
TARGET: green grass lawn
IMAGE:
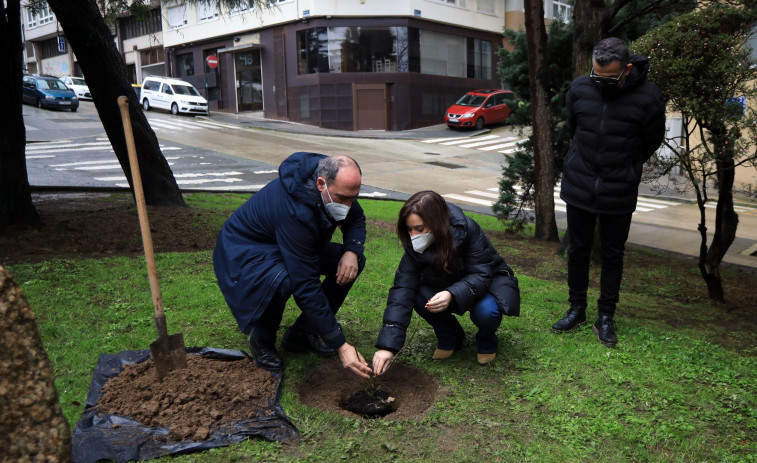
(663, 395)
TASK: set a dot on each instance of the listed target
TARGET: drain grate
(445, 165)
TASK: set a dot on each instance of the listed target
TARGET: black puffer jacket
(613, 133)
(482, 271)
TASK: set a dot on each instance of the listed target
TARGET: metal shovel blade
(168, 354)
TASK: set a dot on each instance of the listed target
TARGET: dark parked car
(49, 92)
(480, 107)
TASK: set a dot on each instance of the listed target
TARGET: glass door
(249, 81)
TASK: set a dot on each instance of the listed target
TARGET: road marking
(373, 194)
(468, 199)
(218, 124)
(65, 144)
(437, 140)
(44, 156)
(500, 146)
(489, 142)
(266, 171)
(458, 142)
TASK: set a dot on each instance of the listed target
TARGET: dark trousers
(485, 314)
(264, 329)
(613, 229)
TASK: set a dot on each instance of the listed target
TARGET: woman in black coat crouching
(449, 268)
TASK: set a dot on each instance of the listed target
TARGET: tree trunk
(33, 425)
(106, 76)
(726, 219)
(544, 159)
(587, 31)
(16, 205)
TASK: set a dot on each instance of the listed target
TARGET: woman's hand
(381, 361)
(353, 361)
(439, 302)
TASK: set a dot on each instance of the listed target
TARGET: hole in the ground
(370, 403)
(329, 387)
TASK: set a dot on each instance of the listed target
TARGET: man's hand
(347, 269)
(439, 302)
(353, 361)
(381, 361)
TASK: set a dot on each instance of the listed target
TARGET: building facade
(391, 65)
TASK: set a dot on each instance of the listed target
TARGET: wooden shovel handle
(144, 224)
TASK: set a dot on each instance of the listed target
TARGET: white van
(172, 94)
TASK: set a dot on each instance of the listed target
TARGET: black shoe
(574, 317)
(604, 328)
(296, 340)
(267, 357)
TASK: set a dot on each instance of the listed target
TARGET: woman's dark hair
(432, 208)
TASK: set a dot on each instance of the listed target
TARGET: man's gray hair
(328, 167)
(609, 50)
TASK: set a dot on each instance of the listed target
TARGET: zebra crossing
(490, 196)
(92, 162)
(178, 125)
(501, 144)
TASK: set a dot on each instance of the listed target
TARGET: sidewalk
(679, 236)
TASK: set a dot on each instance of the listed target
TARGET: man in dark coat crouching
(278, 244)
(617, 120)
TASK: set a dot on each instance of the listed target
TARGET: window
(49, 48)
(487, 7)
(479, 59)
(131, 27)
(185, 65)
(176, 16)
(460, 3)
(242, 7)
(207, 11)
(392, 49)
(561, 11)
(443, 54)
(39, 15)
(752, 42)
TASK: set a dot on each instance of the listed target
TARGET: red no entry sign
(212, 61)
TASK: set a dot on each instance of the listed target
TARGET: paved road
(241, 152)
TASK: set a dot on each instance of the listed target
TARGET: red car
(480, 107)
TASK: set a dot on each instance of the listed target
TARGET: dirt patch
(193, 401)
(329, 387)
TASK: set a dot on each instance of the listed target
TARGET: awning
(249, 46)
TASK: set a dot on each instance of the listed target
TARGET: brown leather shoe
(483, 359)
(440, 354)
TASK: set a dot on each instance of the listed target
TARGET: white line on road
(437, 140)
(468, 199)
(373, 194)
(483, 193)
(489, 142)
(218, 124)
(265, 171)
(459, 142)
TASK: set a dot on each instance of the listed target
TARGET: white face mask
(422, 241)
(337, 211)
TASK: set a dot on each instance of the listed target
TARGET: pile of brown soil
(329, 387)
(192, 401)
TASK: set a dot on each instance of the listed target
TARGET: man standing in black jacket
(617, 121)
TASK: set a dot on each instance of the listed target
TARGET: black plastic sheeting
(95, 437)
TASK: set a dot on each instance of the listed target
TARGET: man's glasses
(605, 79)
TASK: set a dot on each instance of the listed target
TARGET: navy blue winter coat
(613, 134)
(279, 231)
(482, 270)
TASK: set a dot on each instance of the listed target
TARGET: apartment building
(350, 65)
(46, 50)
(343, 64)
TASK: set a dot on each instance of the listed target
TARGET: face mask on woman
(337, 211)
(422, 241)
